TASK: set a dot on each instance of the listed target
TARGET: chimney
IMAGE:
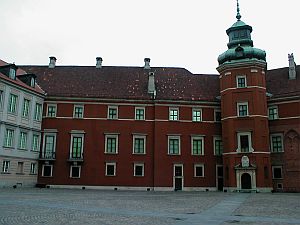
(52, 62)
(151, 84)
(292, 67)
(147, 63)
(99, 62)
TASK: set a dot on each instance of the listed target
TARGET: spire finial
(238, 15)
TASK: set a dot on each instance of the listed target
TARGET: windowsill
(173, 154)
(197, 154)
(136, 153)
(35, 151)
(277, 152)
(273, 119)
(33, 174)
(78, 118)
(5, 173)
(20, 173)
(12, 114)
(8, 148)
(22, 149)
(50, 117)
(25, 118)
(111, 153)
(48, 176)
(198, 176)
(173, 120)
(243, 116)
(112, 118)
(138, 176)
(110, 175)
(75, 177)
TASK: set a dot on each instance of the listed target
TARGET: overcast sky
(173, 33)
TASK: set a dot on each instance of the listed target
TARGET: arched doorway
(246, 181)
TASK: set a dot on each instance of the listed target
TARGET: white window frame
(5, 166)
(12, 73)
(135, 113)
(26, 109)
(51, 175)
(44, 141)
(133, 144)
(171, 110)
(13, 108)
(239, 134)
(241, 76)
(194, 118)
(110, 164)
(12, 138)
(215, 115)
(78, 134)
(1, 99)
(195, 137)
(116, 136)
(38, 114)
(71, 169)
(179, 144)
(24, 135)
(277, 115)
(113, 107)
(38, 142)
(238, 107)
(134, 169)
(271, 142)
(81, 107)
(33, 168)
(199, 165)
(276, 167)
(217, 139)
(55, 111)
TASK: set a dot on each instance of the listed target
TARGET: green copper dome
(240, 45)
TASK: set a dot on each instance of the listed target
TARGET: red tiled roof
(18, 82)
(125, 83)
(279, 85)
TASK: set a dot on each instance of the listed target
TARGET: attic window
(12, 73)
(32, 82)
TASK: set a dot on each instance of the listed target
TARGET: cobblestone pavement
(77, 207)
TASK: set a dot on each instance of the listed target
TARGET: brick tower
(245, 132)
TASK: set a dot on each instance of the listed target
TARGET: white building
(21, 105)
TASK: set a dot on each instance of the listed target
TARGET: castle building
(21, 102)
(162, 128)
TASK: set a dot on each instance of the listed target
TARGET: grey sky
(173, 33)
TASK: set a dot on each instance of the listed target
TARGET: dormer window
(12, 73)
(32, 82)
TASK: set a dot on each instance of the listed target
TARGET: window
(33, 168)
(111, 144)
(76, 146)
(35, 142)
(139, 144)
(197, 115)
(51, 110)
(244, 142)
(38, 112)
(110, 169)
(241, 81)
(197, 146)
(139, 113)
(12, 73)
(242, 109)
(173, 145)
(47, 170)
(138, 169)
(9, 138)
(26, 106)
(23, 140)
(78, 111)
(277, 172)
(218, 146)
(198, 170)
(12, 103)
(49, 146)
(217, 115)
(5, 166)
(273, 113)
(1, 98)
(20, 168)
(173, 114)
(113, 112)
(75, 171)
(276, 143)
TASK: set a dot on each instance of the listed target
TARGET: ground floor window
(33, 168)
(110, 169)
(5, 166)
(198, 170)
(47, 170)
(75, 171)
(277, 172)
(138, 169)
